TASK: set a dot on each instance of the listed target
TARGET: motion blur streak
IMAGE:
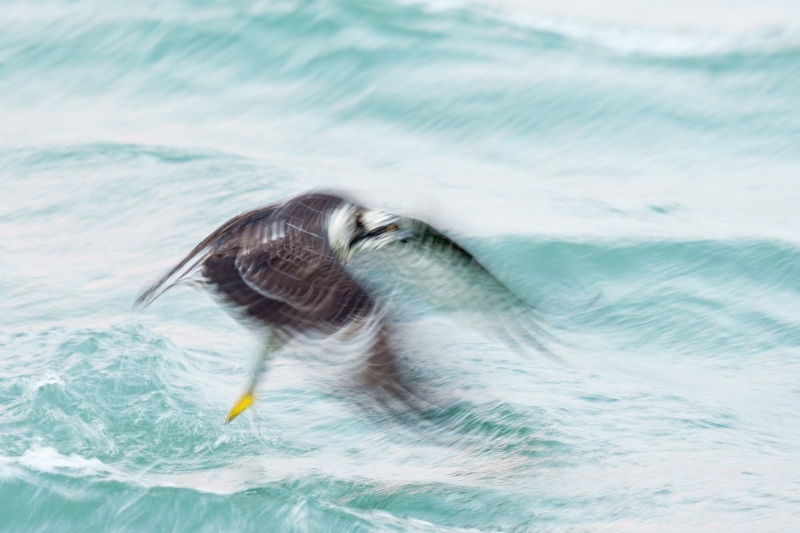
(575, 153)
(282, 269)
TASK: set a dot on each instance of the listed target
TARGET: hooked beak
(399, 233)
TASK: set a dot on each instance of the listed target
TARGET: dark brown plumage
(276, 265)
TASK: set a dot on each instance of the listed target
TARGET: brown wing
(196, 258)
(314, 291)
(301, 275)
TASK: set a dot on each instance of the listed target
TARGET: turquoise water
(638, 180)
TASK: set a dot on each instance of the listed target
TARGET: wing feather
(195, 259)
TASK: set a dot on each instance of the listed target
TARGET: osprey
(284, 267)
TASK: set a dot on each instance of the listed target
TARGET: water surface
(578, 154)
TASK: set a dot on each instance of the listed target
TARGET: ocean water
(633, 170)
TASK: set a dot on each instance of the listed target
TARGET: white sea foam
(48, 459)
(693, 15)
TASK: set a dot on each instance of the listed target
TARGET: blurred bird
(284, 266)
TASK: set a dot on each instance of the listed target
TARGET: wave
(291, 37)
(633, 151)
(729, 299)
(297, 76)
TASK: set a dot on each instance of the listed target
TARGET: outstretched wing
(450, 278)
(193, 262)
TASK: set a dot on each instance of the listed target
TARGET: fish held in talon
(284, 267)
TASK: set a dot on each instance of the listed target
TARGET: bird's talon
(238, 408)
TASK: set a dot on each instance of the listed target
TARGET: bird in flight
(285, 267)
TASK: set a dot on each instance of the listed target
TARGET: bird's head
(353, 229)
